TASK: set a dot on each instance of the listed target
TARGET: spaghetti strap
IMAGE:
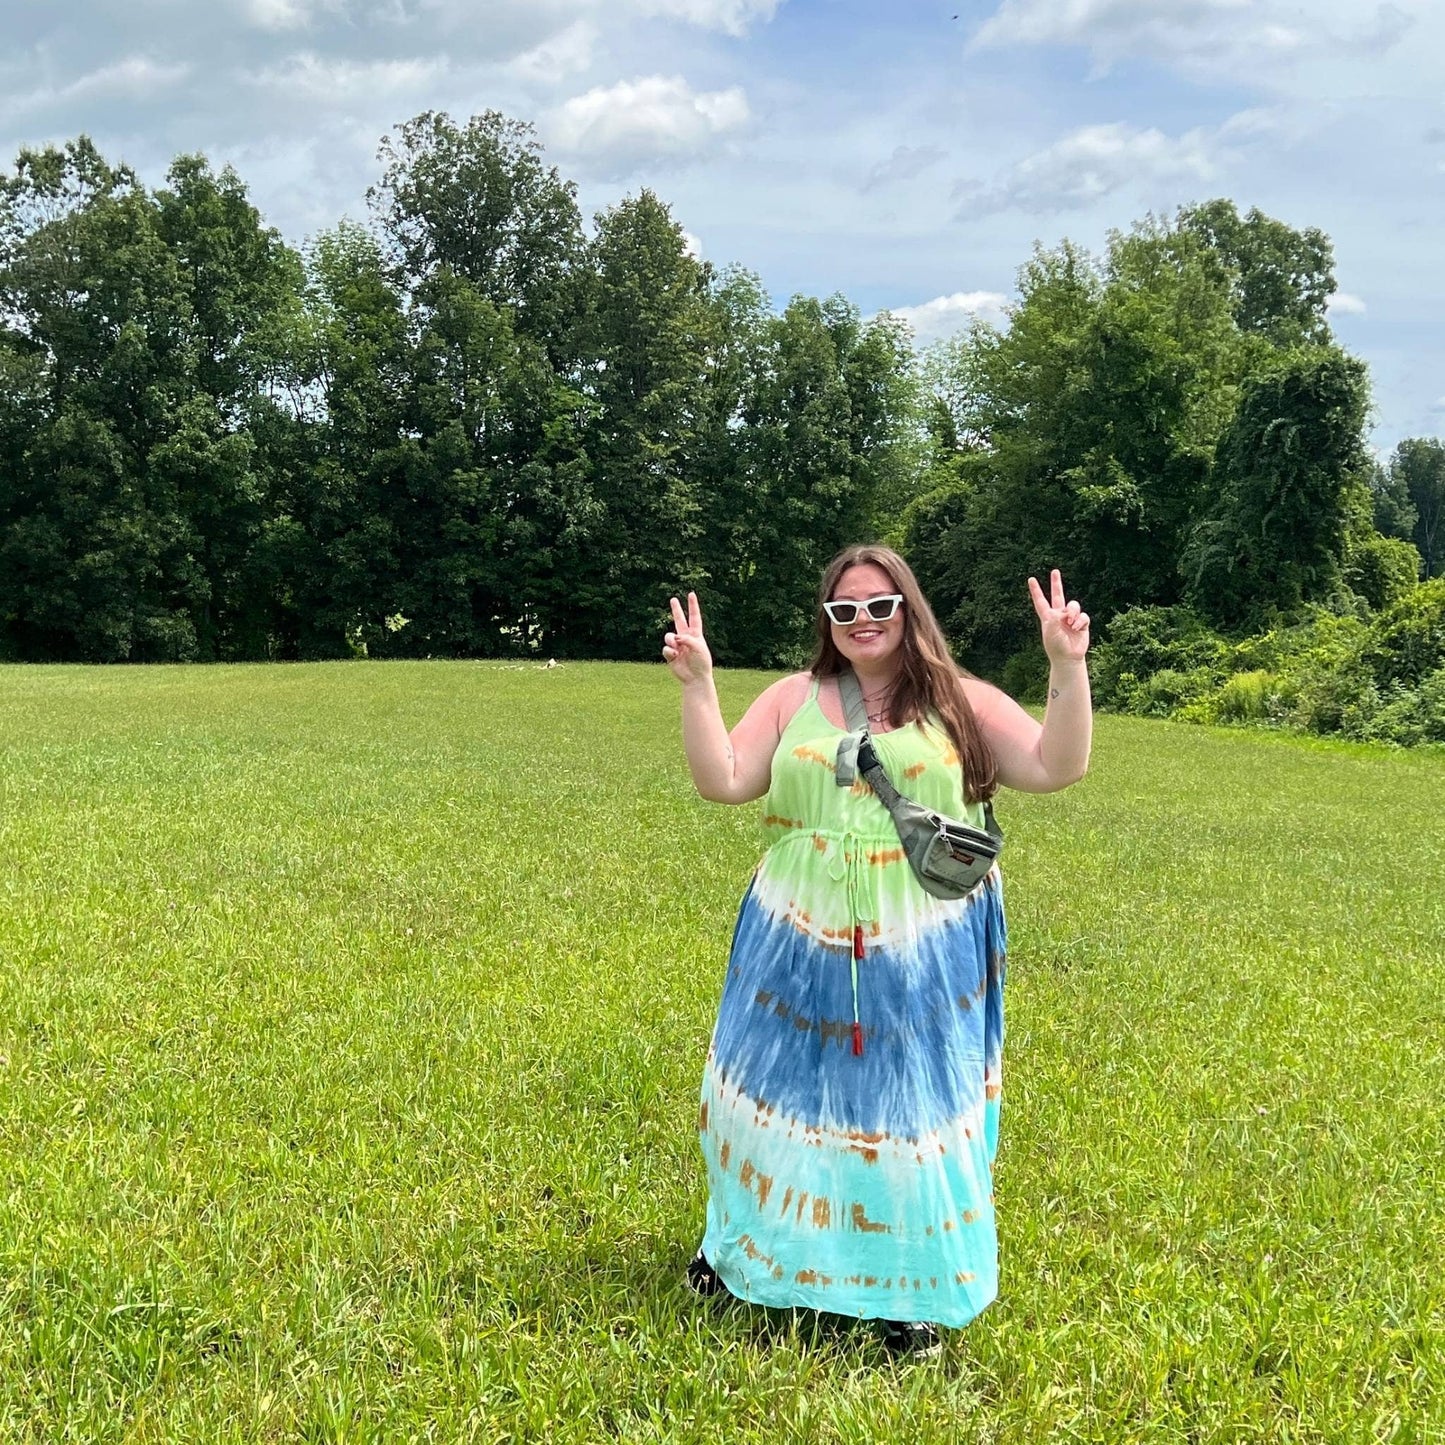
(813, 690)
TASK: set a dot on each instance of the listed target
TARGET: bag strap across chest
(855, 710)
(855, 713)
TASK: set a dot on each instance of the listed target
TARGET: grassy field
(351, 1022)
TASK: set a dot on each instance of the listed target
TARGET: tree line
(476, 427)
(466, 429)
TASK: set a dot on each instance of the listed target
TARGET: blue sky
(896, 153)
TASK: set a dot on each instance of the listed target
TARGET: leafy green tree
(478, 201)
(1280, 278)
(931, 524)
(240, 279)
(242, 287)
(647, 333)
(1092, 422)
(1418, 468)
(885, 396)
(479, 387)
(555, 513)
(1392, 513)
(729, 489)
(487, 496)
(95, 549)
(819, 438)
(133, 508)
(23, 402)
(334, 532)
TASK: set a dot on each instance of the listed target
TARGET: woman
(850, 1099)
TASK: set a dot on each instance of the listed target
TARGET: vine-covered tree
(1274, 536)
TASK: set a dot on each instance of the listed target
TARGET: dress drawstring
(857, 954)
(855, 873)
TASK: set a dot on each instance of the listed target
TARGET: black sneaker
(701, 1277)
(910, 1339)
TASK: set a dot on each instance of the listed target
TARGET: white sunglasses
(879, 609)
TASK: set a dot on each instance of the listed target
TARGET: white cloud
(1113, 29)
(569, 52)
(733, 17)
(1261, 39)
(657, 117)
(945, 316)
(312, 77)
(692, 245)
(1088, 165)
(130, 77)
(1342, 303)
(125, 81)
(280, 14)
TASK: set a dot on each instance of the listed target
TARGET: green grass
(351, 1024)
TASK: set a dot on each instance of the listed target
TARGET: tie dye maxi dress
(858, 1183)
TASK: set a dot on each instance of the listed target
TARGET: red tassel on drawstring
(857, 940)
(857, 1039)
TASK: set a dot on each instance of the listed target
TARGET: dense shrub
(1334, 702)
(1381, 679)
(1407, 641)
(1382, 570)
(1246, 697)
(1325, 642)
(1166, 691)
(1026, 675)
(1147, 640)
(1411, 716)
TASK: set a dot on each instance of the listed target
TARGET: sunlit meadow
(351, 1020)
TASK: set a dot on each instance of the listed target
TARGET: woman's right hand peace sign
(684, 649)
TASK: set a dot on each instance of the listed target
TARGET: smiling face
(870, 646)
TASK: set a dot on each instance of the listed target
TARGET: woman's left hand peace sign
(1065, 625)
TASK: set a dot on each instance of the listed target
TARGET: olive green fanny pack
(949, 858)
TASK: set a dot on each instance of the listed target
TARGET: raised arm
(1034, 758)
(726, 767)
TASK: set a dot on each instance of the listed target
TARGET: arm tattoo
(1053, 692)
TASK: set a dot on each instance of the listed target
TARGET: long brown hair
(928, 678)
